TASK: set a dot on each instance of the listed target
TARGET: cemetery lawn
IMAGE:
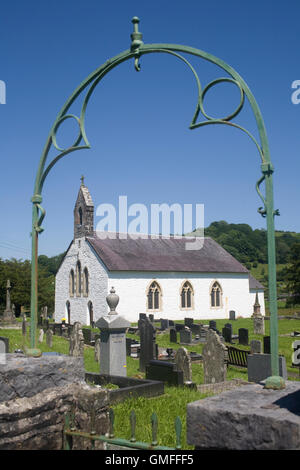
(175, 399)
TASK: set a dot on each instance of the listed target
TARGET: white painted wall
(81, 250)
(132, 289)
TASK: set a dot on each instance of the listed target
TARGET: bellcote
(83, 213)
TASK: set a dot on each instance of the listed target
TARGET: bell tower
(83, 213)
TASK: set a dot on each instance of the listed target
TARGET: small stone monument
(113, 339)
(76, 347)
(8, 316)
(214, 355)
(255, 346)
(258, 319)
(184, 363)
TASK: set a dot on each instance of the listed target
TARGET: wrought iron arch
(137, 50)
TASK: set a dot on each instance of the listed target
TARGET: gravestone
(243, 336)
(41, 335)
(171, 323)
(112, 339)
(173, 335)
(164, 371)
(24, 326)
(188, 322)
(151, 317)
(255, 346)
(183, 362)
(227, 334)
(8, 316)
(185, 336)
(214, 355)
(212, 325)
(267, 344)
(49, 338)
(203, 335)
(195, 328)
(76, 346)
(228, 325)
(259, 367)
(164, 324)
(5, 343)
(258, 325)
(231, 315)
(97, 350)
(179, 326)
(148, 350)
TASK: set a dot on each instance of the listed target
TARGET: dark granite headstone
(227, 334)
(164, 371)
(259, 367)
(228, 325)
(188, 322)
(267, 345)
(212, 325)
(255, 346)
(195, 328)
(171, 323)
(151, 317)
(148, 349)
(173, 335)
(179, 326)
(243, 336)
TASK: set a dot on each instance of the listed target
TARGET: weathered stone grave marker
(183, 362)
(173, 335)
(148, 350)
(214, 355)
(185, 336)
(76, 346)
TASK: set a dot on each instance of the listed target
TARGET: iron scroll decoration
(136, 51)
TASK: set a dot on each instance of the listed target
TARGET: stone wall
(36, 394)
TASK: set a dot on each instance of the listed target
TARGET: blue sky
(138, 123)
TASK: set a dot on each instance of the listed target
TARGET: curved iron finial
(136, 42)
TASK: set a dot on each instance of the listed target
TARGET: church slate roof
(254, 283)
(167, 254)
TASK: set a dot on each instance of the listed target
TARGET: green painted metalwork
(70, 431)
(138, 50)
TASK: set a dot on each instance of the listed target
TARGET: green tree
(293, 275)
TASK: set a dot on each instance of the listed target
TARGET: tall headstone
(184, 363)
(214, 355)
(113, 339)
(148, 350)
(227, 334)
(267, 344)
(243, 336)
(212, 325)
(173, 335)
(76, 346)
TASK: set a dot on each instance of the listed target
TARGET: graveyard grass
(173, 402)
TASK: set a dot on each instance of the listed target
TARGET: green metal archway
(138, 49)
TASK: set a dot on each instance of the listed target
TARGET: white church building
(154, 275)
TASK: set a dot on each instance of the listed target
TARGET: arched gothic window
(78, 279)
(72, 283)
(85, 282)
(216, 295)
(154, 297)
(187, 295)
